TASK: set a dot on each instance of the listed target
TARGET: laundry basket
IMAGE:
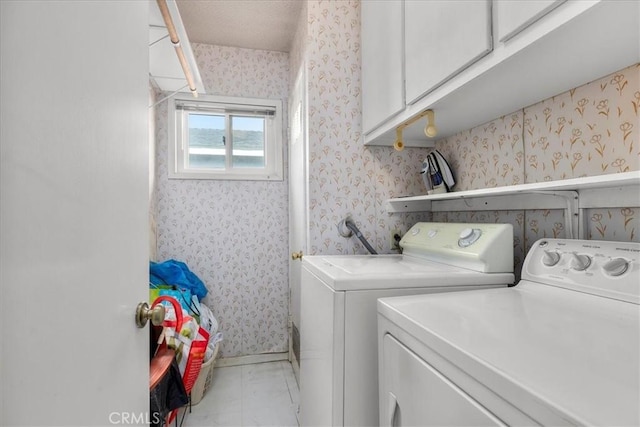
(203, 382)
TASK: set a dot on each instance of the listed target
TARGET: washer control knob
(550, 258)
(580, 262)
(468, 236)
(466, 233)
(615, 266)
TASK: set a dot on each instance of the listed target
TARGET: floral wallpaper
(490, 155)
(621, 224)
(232, 234)
(345, 177)
(586, 131)
(589, 130)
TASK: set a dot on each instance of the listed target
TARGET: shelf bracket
(566, 200)
(573, 221)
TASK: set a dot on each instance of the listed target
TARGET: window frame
(177, 135)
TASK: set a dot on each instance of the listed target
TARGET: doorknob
(144, 314)
(296, 255)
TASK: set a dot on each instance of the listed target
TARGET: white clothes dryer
(338, 327)
(560, 348)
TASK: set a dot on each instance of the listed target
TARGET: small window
(217, 137)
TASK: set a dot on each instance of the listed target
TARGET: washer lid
(361, 272)
(555, 354)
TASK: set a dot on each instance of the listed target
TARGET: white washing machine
(560, 348)
(338, 326)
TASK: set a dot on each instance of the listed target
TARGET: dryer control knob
(550, 258)
(616, 266)
(580, 262)
(468, 236)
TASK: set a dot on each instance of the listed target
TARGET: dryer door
(414, 393)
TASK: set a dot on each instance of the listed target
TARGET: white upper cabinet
(540, 48)
(443, 38)
(514, 16)
(382, 61)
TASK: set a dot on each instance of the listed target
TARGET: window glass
(248, 142)
(215, 137)
(206, 141)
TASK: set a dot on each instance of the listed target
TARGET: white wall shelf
(574, 195)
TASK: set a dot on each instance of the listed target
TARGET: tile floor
(264, 394)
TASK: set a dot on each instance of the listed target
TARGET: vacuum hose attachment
(352, 229)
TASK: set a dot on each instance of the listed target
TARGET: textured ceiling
(252, 24)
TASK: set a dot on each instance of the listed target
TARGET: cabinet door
(382, 61)
(442, 38)
(514, 16)
(414, 394)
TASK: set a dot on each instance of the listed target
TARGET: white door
(73, 212)
(298, 205)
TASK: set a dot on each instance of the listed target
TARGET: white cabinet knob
(616, 266)
(580, 262)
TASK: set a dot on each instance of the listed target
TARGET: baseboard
(296, 367)
(295, 341)
(251, 359)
